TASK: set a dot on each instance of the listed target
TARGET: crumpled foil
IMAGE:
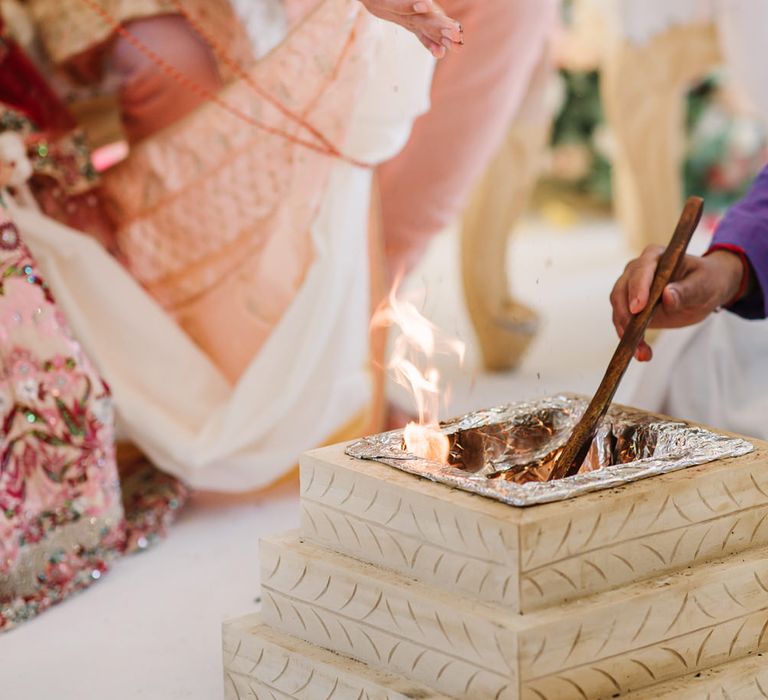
(507, 452)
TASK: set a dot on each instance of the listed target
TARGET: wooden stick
(575, 451)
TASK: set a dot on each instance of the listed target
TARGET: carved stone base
(656, 589)
(263, 663)
(745, 679)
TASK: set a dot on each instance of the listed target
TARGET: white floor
(150, 629)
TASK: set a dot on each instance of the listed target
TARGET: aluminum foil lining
(506, 453)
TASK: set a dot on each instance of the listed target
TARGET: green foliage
(717, 165)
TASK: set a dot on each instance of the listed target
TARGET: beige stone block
(426, 531)
(745, 679)
(532, 558)
(264, 664)
(451, 644)
(596, 647)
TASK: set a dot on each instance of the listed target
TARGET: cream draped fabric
(309, 377)
(714, 373)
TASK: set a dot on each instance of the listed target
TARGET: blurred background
(646, 104)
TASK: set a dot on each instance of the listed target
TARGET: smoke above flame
(416, 343)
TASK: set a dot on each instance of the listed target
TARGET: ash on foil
(507, 453)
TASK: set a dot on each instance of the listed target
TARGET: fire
(416, 344)
(427, 442)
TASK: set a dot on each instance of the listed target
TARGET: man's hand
(701, 285)
(424, 18)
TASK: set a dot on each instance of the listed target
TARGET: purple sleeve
(745, 227)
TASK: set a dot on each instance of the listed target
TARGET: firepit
(398, 586)
(507, 453)
(608, 584)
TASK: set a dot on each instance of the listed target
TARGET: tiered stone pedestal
(396, 587)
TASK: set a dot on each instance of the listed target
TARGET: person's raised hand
(437, 32)
(700, 286)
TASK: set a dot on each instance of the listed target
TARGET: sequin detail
(9, 236)
(64, 517)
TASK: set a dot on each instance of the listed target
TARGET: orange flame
(427, 441)
(411, 363)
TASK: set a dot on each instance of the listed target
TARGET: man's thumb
(687, 293)
(672, 299)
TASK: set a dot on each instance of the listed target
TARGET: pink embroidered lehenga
(64, 516)
(64, 513)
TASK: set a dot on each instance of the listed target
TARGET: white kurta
(714, 373)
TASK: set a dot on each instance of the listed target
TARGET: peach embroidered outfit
(190, 189)
(215, 214)
(256, 245)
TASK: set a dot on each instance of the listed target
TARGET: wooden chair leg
(643, 89)
(504, 327)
